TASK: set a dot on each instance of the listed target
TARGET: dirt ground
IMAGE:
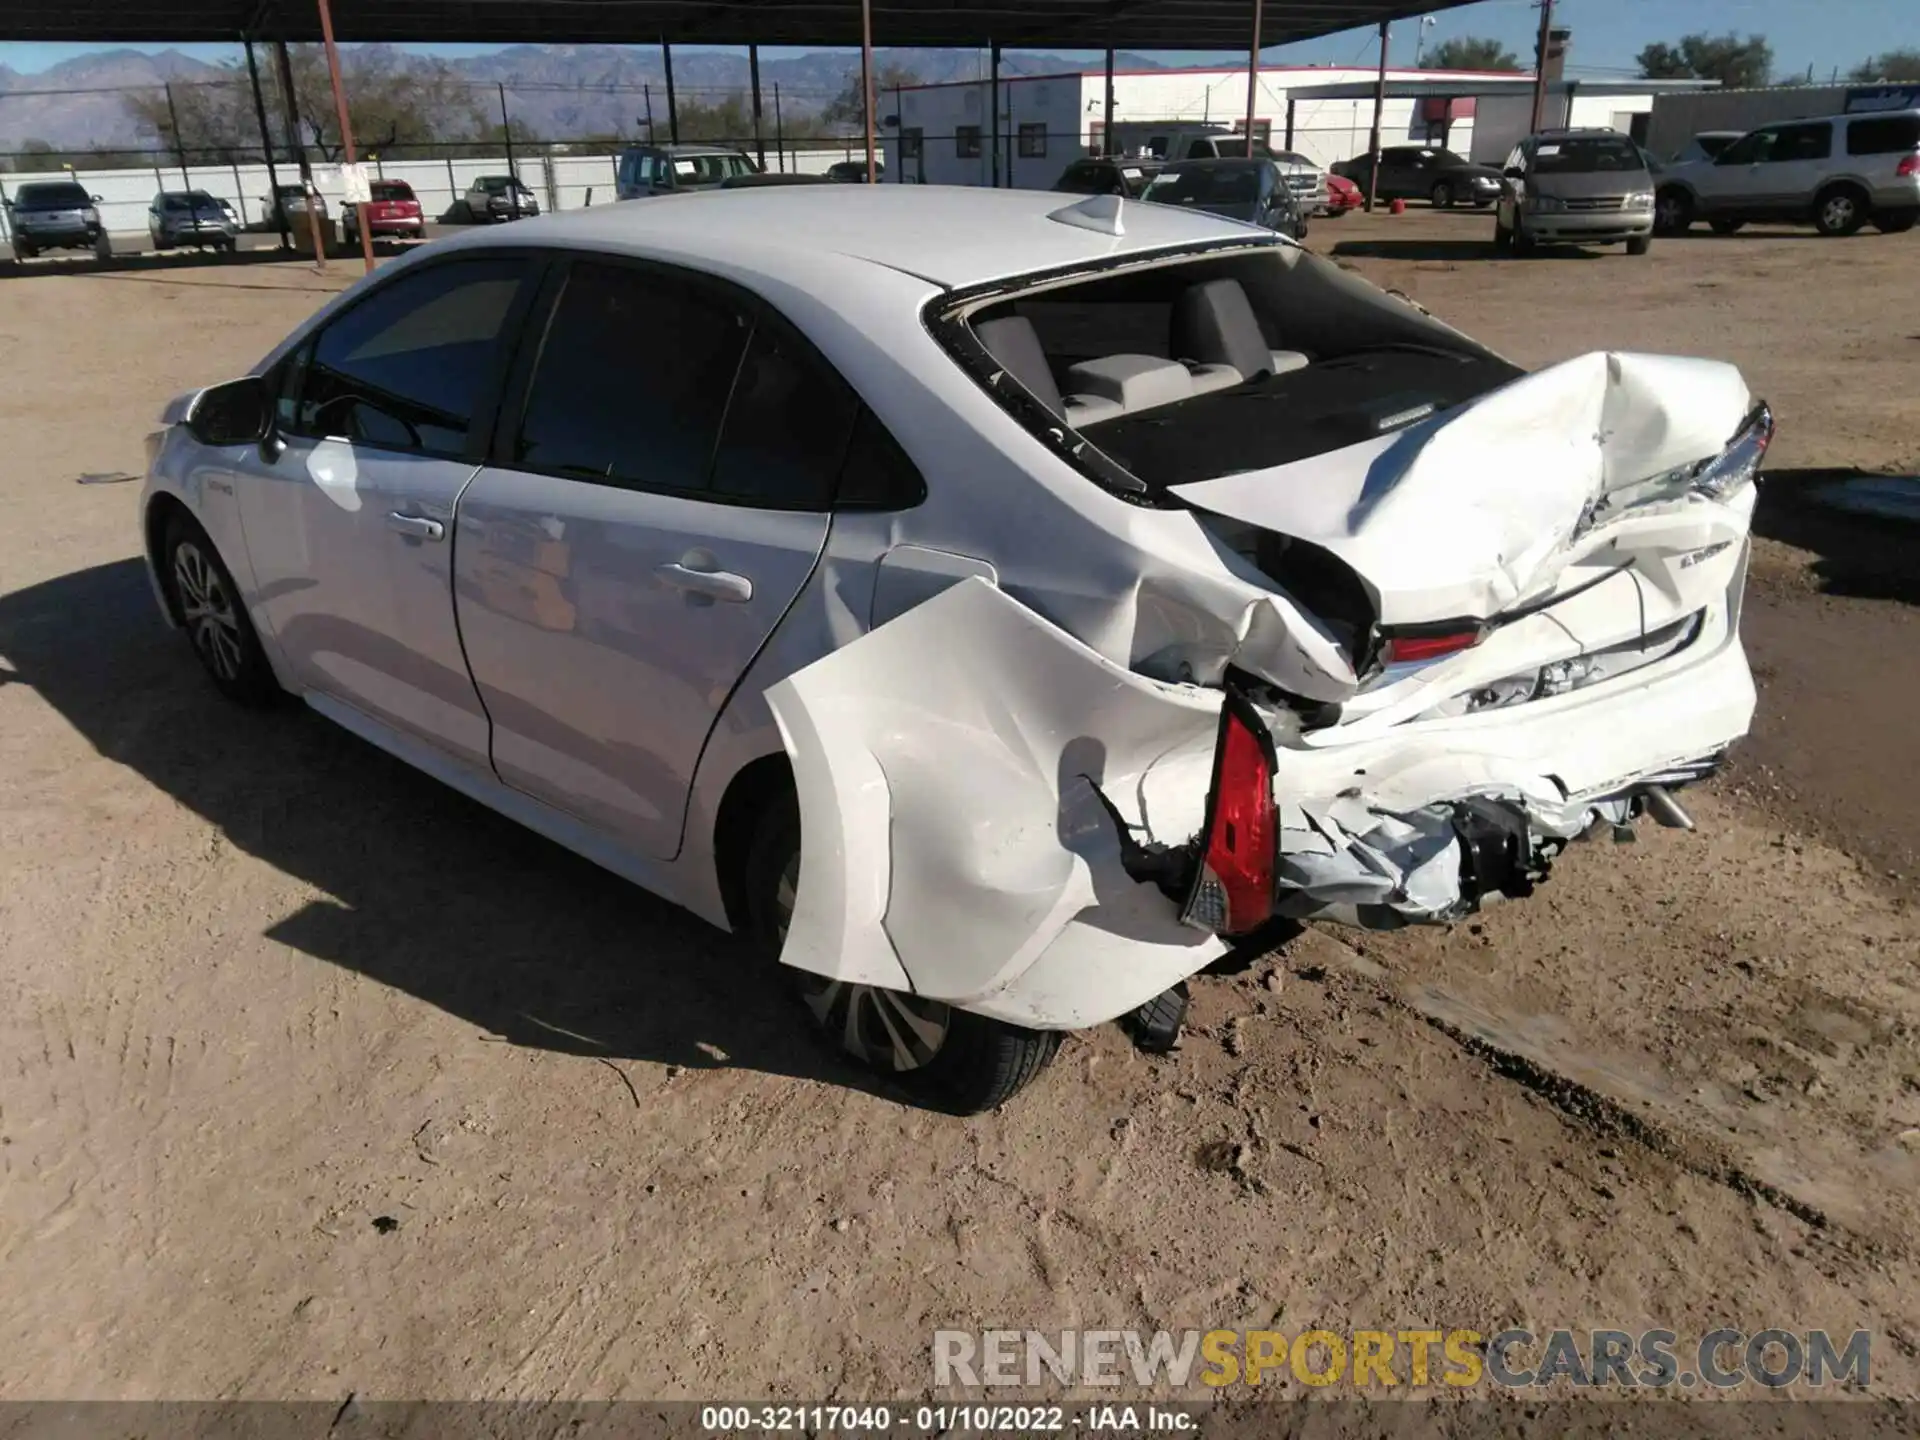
(317, 1080)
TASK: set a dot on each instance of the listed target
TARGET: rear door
(349, 527)
(660, 490)
(1798, 165)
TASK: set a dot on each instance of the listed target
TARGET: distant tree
(1736, 63)
(1893, 65)
(398, 105)
(36, 155)
(1470, 52)
(850, 108)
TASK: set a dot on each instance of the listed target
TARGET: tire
(949, 1059)
(1522, 244)
(1839, 211)
(1897, 224)
(103, 247)
(1672, 211)
(1639, 244)
(1726, 227)
(208, 603)
(1443, 195)
(1502, 237)
(23, 250)
(1155, 1026)
(160, 242)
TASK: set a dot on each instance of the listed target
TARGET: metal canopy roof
(1452, 87)
(1026, 24)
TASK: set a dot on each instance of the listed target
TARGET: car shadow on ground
(1862, 556)
(420, 889)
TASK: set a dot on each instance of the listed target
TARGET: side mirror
(96, 199)
(237, 413)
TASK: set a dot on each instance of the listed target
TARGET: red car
(393, 210)
(1342, 195)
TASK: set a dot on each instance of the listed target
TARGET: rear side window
(392, 190)
(632, 380)
(408, 367)
(1884, 135)
(787, 424)
(1802, 142)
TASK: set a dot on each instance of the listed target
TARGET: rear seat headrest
(1214, 324)
(1013, 342)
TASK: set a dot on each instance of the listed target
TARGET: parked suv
(392, 209)
(55, 215)
(669, 169)
(191, 217)
(493, 198)
(1580, 187)
(1836, 172)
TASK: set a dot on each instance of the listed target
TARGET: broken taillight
(1233, 889)
(1404, 649)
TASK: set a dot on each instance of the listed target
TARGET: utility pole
(179, 146)
(1540, 66)
(1379, 105)
(1427, 22)
(866, 81)
(506, 135)
(266, 147)
(285, 67)
(346, 124)
(1253, 77)
(753, 74)
(779, 129)
(646, 92)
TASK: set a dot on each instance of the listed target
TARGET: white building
(1046, 122)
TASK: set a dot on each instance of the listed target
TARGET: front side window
(966, 142)
(1748, 149)
(632, 378)
(408, 367)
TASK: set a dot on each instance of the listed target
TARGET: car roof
(1577, 132)
(954, 236)
(688, 149)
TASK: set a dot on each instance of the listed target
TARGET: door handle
(417, 526)
(715, 584)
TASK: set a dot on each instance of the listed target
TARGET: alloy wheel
(207, 610)
(1838, 212)
(887, 1029)
(1671, 213)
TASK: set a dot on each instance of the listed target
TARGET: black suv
(55, 215)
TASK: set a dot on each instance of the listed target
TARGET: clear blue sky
(1607, 34)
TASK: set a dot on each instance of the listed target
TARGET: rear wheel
(952, 1059)
(1839, 211)
(208, 603)
(1672, 211)
(1897, 224)
(1443, 195)
(23, 249)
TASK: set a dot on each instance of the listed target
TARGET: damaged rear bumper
(997, 816)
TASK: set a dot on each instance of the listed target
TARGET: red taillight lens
(1233, 891)
(1403, 648)
(1909, 166)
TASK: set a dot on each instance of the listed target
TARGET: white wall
(560, 181)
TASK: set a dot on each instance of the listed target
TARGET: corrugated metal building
(1678, 118)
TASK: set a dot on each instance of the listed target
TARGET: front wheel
(210, 610)
(1443, 196)
(1639, 244)
(1672, 211)
(952, 1059)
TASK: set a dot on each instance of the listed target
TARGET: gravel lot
(317, 1080)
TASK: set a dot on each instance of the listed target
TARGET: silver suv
(1837, 172)
(1580, 187)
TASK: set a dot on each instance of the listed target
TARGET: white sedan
(1084, 585)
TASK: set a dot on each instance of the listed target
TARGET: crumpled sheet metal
(1466, 514)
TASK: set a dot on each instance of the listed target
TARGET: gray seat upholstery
(1013, 342)
(1214, 324)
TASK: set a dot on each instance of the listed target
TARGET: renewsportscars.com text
(1391, 1359)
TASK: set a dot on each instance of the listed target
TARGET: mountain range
(560, 91)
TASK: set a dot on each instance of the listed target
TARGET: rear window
(1884, 135)
(51, 197)
(1204, 186)
(392, 190)
(712, 169)
(1242, 359)
(1586, 155)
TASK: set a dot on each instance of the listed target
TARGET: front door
(661, 489)
(349, 527)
